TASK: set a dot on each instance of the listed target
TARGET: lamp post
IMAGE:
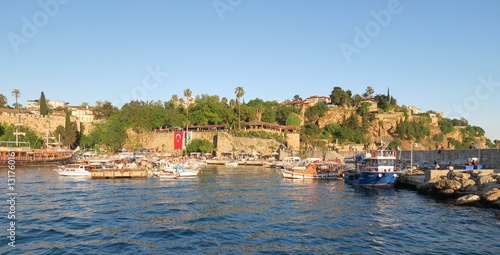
(413, 145)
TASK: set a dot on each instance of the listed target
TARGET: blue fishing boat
(375, 169)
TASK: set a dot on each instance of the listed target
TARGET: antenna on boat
(384, 144)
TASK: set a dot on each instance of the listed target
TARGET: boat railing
(14, 144)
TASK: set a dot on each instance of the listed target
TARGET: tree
(340, 97)
(174, 100)
(200, 145)
(317, 111)
(187, 95)
(3, 100)
(16, 93)
(369, 92)
(104, 110)
(239, 94)
(297, 98)
(44, 109)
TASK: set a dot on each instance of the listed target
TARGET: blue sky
(436, 55)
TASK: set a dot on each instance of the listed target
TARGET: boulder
(467, 182)
(446, 193)
(448, 184)
(463, 176)
(470, 189)
(491, 195)
(468, 199)
(483, 180)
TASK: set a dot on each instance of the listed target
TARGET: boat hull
(294, 175)
(372, 179)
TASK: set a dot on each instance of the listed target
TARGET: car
(425, 165)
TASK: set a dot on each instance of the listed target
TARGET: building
(34, 105)
(414, 110)
(312, 100)
(83, 114)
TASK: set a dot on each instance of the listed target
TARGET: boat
(316, 170)
(22, 154)
(376, 169)
(183, 171)
(74, 170)
(166, 175)
(232, 163)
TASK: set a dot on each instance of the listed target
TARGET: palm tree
(239, 94)
(3, 100)
(187, 94)
(174, 100)
(16, 93)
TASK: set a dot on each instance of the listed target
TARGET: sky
(435, 55)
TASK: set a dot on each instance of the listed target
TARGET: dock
(240, 162)
(410, 181)
(119, 173)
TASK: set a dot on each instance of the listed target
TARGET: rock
(448, 184)
(468, 182)
(463, 176)
(491, 195)
(467, 200)
(470, 188)
(446, 193)
(484, 180)
(490, 186)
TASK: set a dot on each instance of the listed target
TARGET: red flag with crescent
(178, 140)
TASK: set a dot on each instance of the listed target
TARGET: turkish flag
(178, 140)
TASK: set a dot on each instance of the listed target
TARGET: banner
(178, 140)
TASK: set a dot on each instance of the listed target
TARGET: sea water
(243, 210)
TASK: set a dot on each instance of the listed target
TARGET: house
(373, 104)
(83, 114)
(312, 100)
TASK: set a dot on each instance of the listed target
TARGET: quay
(119, 173)
(413, 180)
(240, 162)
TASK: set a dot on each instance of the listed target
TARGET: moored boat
(166, 175)
(76, 170)
(182, 171)
(232, 163)
(376, 169)
(312, 171)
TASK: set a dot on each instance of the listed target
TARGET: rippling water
(245, 210)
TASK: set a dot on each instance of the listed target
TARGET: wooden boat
(312, 171)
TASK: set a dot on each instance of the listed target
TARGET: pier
(119, 173)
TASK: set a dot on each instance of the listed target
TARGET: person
(450, 166)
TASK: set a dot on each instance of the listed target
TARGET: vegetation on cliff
(363, 120)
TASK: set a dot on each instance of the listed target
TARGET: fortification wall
(164, 142)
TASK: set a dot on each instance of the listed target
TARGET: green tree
(187, 94)
(104, 110)
(16, 93)
(369, 92)
(312, 114)
(240, 92)
(340, 97)
(446, 126)
(200, 145)
(44, 109)
(3, 100)
(293, 120)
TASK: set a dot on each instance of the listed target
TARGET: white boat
(182, 171)
(232, 163)
(74, 170)
(166, 175)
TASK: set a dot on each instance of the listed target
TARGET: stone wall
(488, 157)
(38, 123)
(164, 142)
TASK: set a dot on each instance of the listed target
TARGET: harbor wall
(488, 157)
